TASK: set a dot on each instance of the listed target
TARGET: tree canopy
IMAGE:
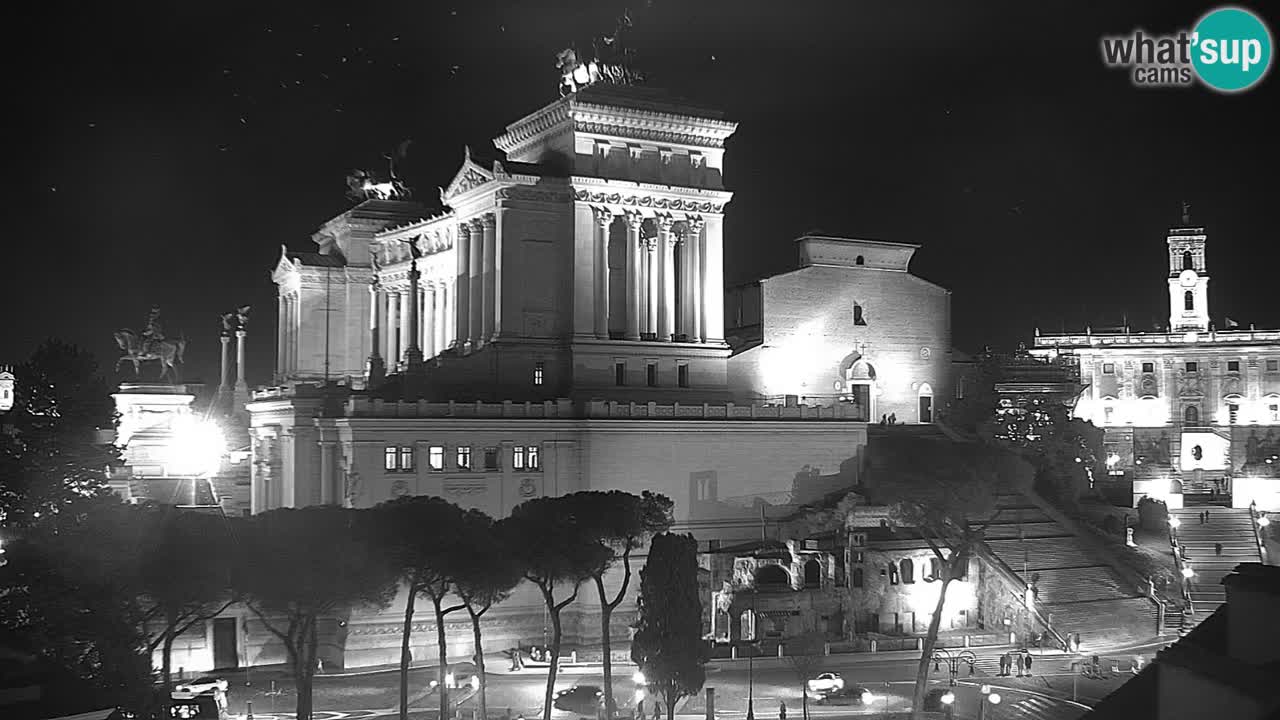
(668, 644)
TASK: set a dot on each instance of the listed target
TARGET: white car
(826, 682)
(460, 675)
(200, 686)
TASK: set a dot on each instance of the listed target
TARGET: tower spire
(1186, 213)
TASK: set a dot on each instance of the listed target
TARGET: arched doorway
(772, 575)
(859, 384)
(813, 574)
(925, 403)
(1191, 416)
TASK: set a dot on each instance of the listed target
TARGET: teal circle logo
(1231, 49)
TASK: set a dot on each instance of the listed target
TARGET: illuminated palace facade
(560, 325)
(1192, 410)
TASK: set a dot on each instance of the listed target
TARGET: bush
(1153, 514)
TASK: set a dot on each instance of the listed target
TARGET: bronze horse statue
(168, 352)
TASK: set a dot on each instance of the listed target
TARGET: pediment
(470, 176)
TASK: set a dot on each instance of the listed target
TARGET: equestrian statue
(151, 345)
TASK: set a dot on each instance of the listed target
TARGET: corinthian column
(489, 314)
(281, 327)
(412, 352)
(604, 219)
(475, 273)
(633, 275)
(667, 295)
(393, 316)
(651, 275)
(462, 313)
(374, 369)
(697, 273)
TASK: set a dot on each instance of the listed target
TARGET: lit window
(893, 576)
(1107, 412)
(532, 458)
(464, 458)
(1273, 365)
(491, 458)
(406, 459)
(517, 457)
(682, 375)
(619, 374)
(1193, 366)
(538, 369)
(1108, 368)
(1233, 366)
(389, 457)
(1274, 412)
(651, 374)
(1233, 413)
(524, 457)
(1148, 367)
(435, 457)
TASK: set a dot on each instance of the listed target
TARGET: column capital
(604, 217)
(634, 219)
(464, 228)
(665, 222)
(695, 223)
(649, 243)
(488, 220)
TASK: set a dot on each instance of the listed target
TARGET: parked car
(580, 699)
(460, 675)
(826, 682)
(933, 700)
(201, 685)
(847, 695)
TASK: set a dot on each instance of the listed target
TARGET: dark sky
(161, 153)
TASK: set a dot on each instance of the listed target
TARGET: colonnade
(287, 338)
(665, 275)
(390, 318)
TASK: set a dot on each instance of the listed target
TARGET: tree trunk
(555, 653)
(405, 653)
(444, 659)
(606, 612)
(166, 660)
(304, 669)
(475, 634)
(926, 651)
(804, 700)
(671, 705)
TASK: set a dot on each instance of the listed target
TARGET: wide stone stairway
(1231, 527)
(1079, 592)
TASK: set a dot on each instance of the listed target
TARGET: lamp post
(987, 697)
(751, 660)
(953, 661)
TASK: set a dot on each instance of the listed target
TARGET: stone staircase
(1231, 527)
(1077, 591)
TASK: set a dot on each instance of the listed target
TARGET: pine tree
(668, 644)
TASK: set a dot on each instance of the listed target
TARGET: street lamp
(1175, 523)
(953, 662)
(1263, 521)
(197, 446)
(1187, 572)
(987, 697)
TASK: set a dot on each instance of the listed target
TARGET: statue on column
(153, 335)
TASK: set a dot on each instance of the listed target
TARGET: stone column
(462, 314)
(402, 327)
(427, 319)
(375, 369)
(442, 316)
(281, 328)
(652, 276)
(328, 470)
(489, 311)
(413, 352)
(393, 328)
(713, 272)
(697, 273)
(604, 219)
(224, 386)
(475, 272)
(241, 385)
(667, 299)
(291, 343)
(633, 275)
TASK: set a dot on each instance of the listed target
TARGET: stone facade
(1189, 409)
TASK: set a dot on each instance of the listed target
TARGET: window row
(905, 572)
(621, 378)
(400, 458)
(1233, 366)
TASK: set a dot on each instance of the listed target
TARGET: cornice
(655, 201)
(530, 127)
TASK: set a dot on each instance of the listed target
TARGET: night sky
(163, 152)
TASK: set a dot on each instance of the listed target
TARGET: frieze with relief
(648, 201)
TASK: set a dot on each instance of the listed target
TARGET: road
(1045, 696)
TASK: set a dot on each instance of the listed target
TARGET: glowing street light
(197, 446)
(948, 698)
(1187, 572)
(1264, 521)
(1175, 523)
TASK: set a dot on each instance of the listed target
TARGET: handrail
(1257, 531)
(1178, 562)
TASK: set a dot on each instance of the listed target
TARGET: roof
(641, 97)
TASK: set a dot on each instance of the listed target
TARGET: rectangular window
(1148, 367)
(491, 458)
(1193, 367)
(1273, 365)
(1233, 366)
(435, 457)
(1233, 413)
(1106, 414)
(619, 374)
(1108, 368)
(532, 458)
(1273, 412)
(517, 457)
(406, 459)
(682, 375)
(651, 374)
(464, 457)
(538, 370)
(389, 458)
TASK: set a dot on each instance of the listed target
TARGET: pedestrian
(1004, 663)
(1217, 549)
(657, 710)
(893, 418)
(639, 713)
(1017, 659)
(884, 420)
(782, 711)
(1206, 517)
(1028, 664)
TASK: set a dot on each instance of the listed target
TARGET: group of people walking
(1020, 660)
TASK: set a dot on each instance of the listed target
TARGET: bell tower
(1188, 277)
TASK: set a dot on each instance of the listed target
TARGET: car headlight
(867, 697)
(638, 677)
(448, 679)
